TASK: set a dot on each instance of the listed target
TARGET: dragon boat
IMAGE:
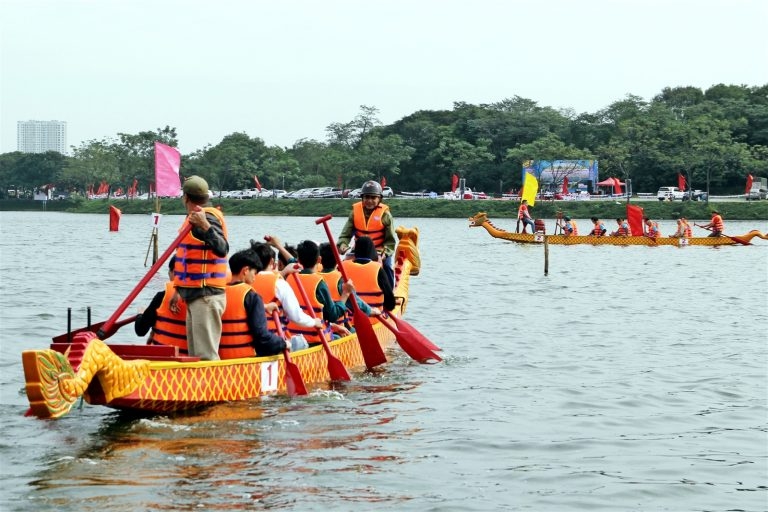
(481, 220)
(154, 379)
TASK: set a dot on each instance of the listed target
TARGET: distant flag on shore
(565, 186)
(635, 219)
(530, 189)
(114, 218)
(680, 181)
(256, 181)
(167, 164)
(617, 186)
(383, 181)
(750, 179)
(454, 183)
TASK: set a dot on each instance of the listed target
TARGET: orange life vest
(687, 231)
(197, 266)
(624, 229)
(265, 285)
(236, 338)
(653, 230)
(170, 328)
(575, 228)
(332, 279)
(717, 223)
(365, 277)
(522, 212)
(309, 283)
(374, 227)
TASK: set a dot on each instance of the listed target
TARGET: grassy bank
(434, 208)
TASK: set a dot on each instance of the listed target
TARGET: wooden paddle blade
(415, 349)
(739, 240)
(336, 368)
(294, 382)
(369, 343)
(404, 326)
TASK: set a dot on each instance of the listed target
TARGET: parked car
(669, 194)
(695, 195)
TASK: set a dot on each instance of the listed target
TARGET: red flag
(114, 218)
(565, 186)
(616, 186)
(167, 163)
(635, 218)
(256, 180)
(680, 181)
(383, 181)
(454, 183)
(750, 179)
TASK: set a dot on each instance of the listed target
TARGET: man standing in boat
(525, 216)
(200, 272)
(370, 217)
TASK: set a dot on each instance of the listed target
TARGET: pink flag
(256, 181)
(167, 163)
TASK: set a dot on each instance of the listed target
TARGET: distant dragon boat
(481, 220)
(155, 379)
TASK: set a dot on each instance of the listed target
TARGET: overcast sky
(283, 70)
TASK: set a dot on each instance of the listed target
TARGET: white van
(669, 194)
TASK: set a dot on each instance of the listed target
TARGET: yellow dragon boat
(481, 220)
(155, 379)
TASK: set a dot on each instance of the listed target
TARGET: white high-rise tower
(41, 136)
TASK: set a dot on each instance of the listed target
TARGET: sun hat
(195, 186)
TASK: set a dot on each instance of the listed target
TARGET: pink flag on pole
(167, 163)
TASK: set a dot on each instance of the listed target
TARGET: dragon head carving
(478, 219)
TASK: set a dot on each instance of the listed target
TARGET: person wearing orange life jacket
(651, 229)
(716, 224)
(524, 216)
(333, 278)
(622, 229)
(273, 288)
(370, 217)
(318, 293)
(244, 322)
(200, 271)
(568, 226)
(683, 229)
(599, 228)
(168, 327)
(371, 284)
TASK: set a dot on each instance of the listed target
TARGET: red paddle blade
(336, 368)
(373, 354)
(414, 349)
(293, 379)
(404, 326)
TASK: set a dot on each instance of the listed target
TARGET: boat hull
(481, 220)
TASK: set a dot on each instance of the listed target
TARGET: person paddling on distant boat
(568, 226)
(598, 228)
(622, 229)
(716, 224)
(683, 229)
(651, 229)
(200, 272)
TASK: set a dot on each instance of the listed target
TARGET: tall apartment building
(41, 136)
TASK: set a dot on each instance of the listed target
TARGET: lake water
(629, 378)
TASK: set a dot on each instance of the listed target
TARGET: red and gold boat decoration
(155, 379)
(481, 220)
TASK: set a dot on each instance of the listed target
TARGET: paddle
(369, 343)
(409, 344)
(151, 272)
(736, 239)
(336, 368)
(404, 326)
(67, 338)
(294, 382)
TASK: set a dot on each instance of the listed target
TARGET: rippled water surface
(629, 378)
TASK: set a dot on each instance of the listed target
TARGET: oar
(404, 326)
(336, 368)
(67, 338)
(151, 272)
(409, 344)
(294, 382)
(736, 239)
(369, 343)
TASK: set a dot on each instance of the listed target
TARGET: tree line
(714, 137)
